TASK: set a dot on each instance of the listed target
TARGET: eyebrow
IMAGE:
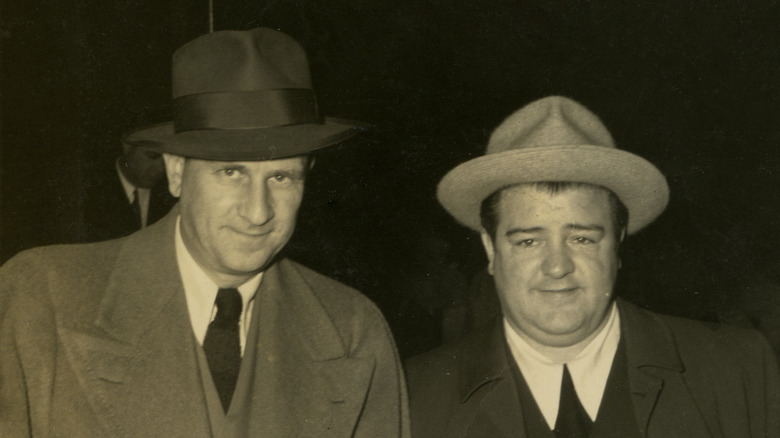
(224, 164)
(290, 172)
(520, 230)
(579, 227)
(571, 227)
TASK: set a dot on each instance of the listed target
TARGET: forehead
(528, 205)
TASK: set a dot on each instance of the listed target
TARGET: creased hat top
(547, 122)
(243, 95)
(554, 139)
(259, 59)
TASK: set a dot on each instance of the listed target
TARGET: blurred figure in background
(128, 196)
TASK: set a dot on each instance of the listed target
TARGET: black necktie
(222, 345)
(136, 204)
(573, 420)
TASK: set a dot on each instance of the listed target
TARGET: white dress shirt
(201, 293)
(589, 370)
(130, 191)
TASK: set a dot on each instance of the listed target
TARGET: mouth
(252, 234)
(561, 290)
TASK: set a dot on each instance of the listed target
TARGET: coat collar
(302, 361)
(298, 302)
(144, 279)
(484, 360)
(649, 343)
(653, 357)
(487, 384)
(141, 343)
(651, 352)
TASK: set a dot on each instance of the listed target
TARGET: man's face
(554, 261)
(236, 216)
(143, 166)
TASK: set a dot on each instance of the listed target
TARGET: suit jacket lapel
(488, 387)
(655, 367)
(137, 363)
(646, 349)
(305, 382)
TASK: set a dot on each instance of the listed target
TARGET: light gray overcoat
(96, 341)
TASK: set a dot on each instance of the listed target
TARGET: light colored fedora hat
(243, 95)
(554, 139)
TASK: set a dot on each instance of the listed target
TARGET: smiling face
(554, 261)
(236, 216)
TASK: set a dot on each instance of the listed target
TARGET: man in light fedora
(195, 326)
(553, 199)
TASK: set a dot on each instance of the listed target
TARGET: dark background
(691, 86)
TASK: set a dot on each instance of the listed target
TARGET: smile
(560, 290)
(251, 233)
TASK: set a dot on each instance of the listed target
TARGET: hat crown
(229, 61)
(243, 95)
(551, 121)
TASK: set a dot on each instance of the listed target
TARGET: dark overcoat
(687, 379)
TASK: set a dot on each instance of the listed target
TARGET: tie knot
(228, 305)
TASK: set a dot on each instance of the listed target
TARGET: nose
(256, 207)
(557, 262)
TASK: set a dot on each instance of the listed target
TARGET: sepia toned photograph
(374, 218)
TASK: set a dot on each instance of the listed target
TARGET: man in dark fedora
(553, 199)
(195, 326)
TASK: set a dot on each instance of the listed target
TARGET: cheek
(512, 272)
(207, 206)
(287, 203)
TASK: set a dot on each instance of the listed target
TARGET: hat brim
(246, 144)
(638, 184)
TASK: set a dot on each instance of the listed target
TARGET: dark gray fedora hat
(243, 95)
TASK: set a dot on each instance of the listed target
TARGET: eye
(584, 240)
(526, 243)
(230, 172)
(285, 178)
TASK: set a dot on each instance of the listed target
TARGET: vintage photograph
(375, 218)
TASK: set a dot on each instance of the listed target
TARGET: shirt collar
(589, 370)
(201, 291)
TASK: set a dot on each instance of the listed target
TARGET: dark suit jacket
(106, 212)
(96, 341)
(687, 380)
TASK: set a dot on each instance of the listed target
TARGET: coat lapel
(488, 387)
(648, 348)
(305, 382)
(657, 378)
(136, 362)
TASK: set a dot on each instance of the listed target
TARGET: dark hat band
(245, 109)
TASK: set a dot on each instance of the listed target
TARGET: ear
(490, 251)
(174, 168)
(620, 242)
